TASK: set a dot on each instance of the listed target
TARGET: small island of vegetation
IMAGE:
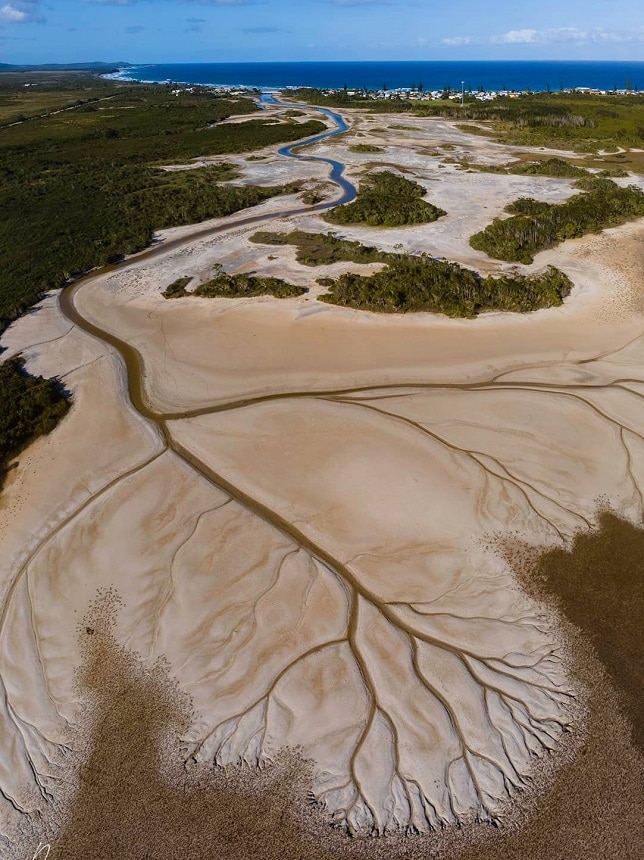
(365, 147)
(553, 167)
(224, 285)
(386, 200)
(321, 249)
(420, 283)
(414, 284)
(537, 225)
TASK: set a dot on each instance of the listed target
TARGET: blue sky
(142, 31)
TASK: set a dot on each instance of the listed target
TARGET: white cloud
(569, 35)
(18, 14)
(458, 40)
(517, 37)
(11, 15)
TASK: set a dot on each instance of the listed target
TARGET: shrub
(386, 200)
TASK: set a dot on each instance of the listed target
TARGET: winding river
(133, 361)
(131, 357)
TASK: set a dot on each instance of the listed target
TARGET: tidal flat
(354, 559)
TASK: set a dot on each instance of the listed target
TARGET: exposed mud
(599, 586)
(135, 799)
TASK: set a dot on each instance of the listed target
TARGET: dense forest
(415, 283)
(81, 188)
(30, 406)
(536, 225)
(386, 199)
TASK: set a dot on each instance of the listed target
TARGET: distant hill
(65, 67)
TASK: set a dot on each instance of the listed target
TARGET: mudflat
(305, 513)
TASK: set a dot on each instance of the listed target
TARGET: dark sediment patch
(134, 799)
(593, 808)
(598, 585)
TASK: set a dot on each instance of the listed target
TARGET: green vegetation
(548, 167)
(558, 120)
(246, 286)
(578, 121)
(537, 225)
(222, 172)
(365, 147)
(475, 129)
(311, 95)
(555, 167)
(81, 188)
(386, 200)
(415, 284)
(30, 406)
(23, 96)
(223, 285)
(310, 198)
(419, 283)
(177, 289)
(613, 173)
(190, 196)
(319, 249)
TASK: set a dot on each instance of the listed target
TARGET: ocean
(489, 75)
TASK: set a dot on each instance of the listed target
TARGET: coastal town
(419, 93)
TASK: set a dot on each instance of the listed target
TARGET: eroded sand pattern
(300, 516)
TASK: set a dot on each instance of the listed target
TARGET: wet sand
(303, 520)
(136, 800)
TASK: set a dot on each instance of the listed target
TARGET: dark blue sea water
(374, 75)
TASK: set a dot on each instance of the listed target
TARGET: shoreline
(534, 87)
